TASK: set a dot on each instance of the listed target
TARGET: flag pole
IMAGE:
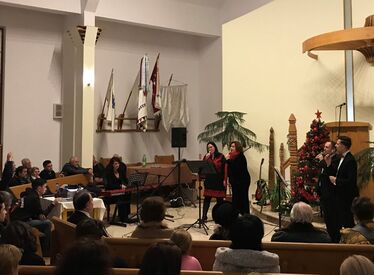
(101, 117)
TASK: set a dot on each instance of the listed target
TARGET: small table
(66, 205)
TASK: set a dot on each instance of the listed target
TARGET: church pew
(69, 180)
(62, 236)
(49, 270)
(294, 257)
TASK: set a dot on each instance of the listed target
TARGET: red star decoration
(318, 114)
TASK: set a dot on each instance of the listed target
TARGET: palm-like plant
(227, 129)
(365, 171)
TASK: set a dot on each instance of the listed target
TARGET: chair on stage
(167, 159)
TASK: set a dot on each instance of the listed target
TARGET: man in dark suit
(83, 205)
(345, 181)
(328, 162)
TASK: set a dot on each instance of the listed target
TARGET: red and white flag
(155, 86)
(143, 90)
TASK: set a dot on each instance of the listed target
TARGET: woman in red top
(214, 183)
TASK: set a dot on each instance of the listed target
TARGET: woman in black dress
(214, 183)
(115, 178)
(239, 177)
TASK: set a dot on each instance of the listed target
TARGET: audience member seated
(224, 215)
(3, 213)
(8, 172)
(363, 231)
(98, 171)
(183, 240)
(73, 168)
(35, 173)
(115, 178)
(47, 173)
(94, 229)
(163, 258)
(245, 253)
(10, 256)
(26, 163)
(357, 265)
(301, 228)
(83, 206)
(152, 214)
(30, 211)
(91, 228)
(85, 257)
(7, 198)
(20, 234)
(20, 177)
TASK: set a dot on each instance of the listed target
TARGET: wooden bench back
(62, 236)
(167, 159)
(298, 258)
(69, 180)
(18, 189)
(49, 270)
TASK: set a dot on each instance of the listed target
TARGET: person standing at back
(345, 181)
(239, 177)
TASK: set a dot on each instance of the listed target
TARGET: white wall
(266, 75)
(32, 84)
(121, 47)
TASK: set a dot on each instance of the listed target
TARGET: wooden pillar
(292, 146)
(271, 160)
(281, 159)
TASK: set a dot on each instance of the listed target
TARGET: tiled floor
(183, 217)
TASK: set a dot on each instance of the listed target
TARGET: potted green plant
(365, 172)
(228, 128)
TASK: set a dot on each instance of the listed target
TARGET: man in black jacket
(73, 168)
(31, 211)
(345, 181)
(83, 205)
(328, 162)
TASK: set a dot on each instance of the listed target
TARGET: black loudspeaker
(179, 137)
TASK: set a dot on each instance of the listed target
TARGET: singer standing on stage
(213, 183)
(239, 177)
(328, 162)
(345, 181)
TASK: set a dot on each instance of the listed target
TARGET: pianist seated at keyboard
(115, 179)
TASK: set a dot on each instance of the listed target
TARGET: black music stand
(136, 180)
(200, 167)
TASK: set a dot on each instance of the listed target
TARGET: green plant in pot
(228, 128)
(365, 172)
(284, 197)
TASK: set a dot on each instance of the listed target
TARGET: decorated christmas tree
(308, 169)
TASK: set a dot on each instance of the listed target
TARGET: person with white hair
(301, 228)
(357, 265)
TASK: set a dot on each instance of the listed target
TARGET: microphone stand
(340, 115)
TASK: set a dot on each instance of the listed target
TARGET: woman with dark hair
(85, 257)
(20, 234)
(214, 183)
(239, 177)
(8, 172)
(245, 253)
(115, 178)
(224, 215)
(363, 231)
(20, 177)
(162, 258)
